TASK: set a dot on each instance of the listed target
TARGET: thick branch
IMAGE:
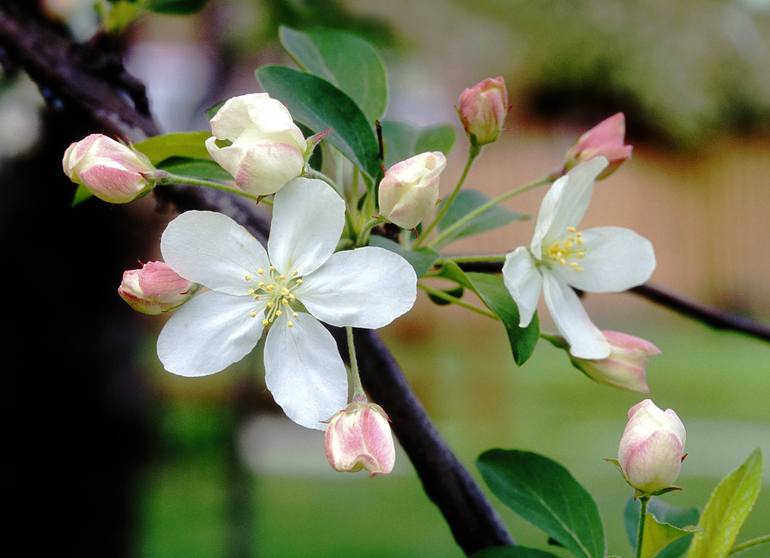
(47, 58)
(705, 314)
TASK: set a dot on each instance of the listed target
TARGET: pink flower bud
(111, 171)
(483, 108)
(625, 367)
(652, 447)
(409, 191)
(257, 142)
(155, 288)
(358, 437)
(606, 140)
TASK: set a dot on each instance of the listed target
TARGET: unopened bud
(482, 109)
(652, 447)
(625, 367)
(358, 437)
(409, 191)
(257, 142)
(155, 288)
(605, 140)
(111, 171)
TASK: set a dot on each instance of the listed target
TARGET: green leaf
(421, 259)
(457, 292)
(544, 493)
(404, 140)
(663, 512)
(468, 200)
(196, 168)
(177, 144)
(319, 105)
(81, 194)
(344, 60)
(492, 292)
(512, 552)
(659, 536)
(727, 508)
(177, 7)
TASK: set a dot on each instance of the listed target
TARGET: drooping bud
(257, 142)
(111, 171)
(625, 367)
(606, 140)
(155, 288)
(409, 191)
(482, 109)
(358, 437)
(652, 447)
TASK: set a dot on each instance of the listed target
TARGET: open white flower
(599, 260)
(300, 282)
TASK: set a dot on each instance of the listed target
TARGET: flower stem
(640, 532)
(480, 210)
(458, 301)
(363, 235)
(168, 178)
(472, 259)
(749, 544)
(473, 152)
(354, 378)
(310, 172)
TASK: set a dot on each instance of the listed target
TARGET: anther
(265, 322)
(279, 313)
(571, 229)
(253, 314)
(247, 277)
(290, 323)
(260, 271)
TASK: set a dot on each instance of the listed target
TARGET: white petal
(584, 338)
(304, 371)
(233, 117)
(209, 333)
(616, 259)
(267, 167)
(211, 249)
(524, 282)
(367, 287)
(229, 157)
(566, 203)
(308, 217)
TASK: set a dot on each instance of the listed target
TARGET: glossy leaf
(421, 259)
(456, 292)
(663, 512)
(344, 60)
(177, 144)
(512, 552)
(81, 194)
(492, 292)
(468, 200)
(727, 508)
(404, 140)
(544, 493)
(177, 7)
(196, 168)
(659, 536)
(319, 105)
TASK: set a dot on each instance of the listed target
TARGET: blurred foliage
(684, 70)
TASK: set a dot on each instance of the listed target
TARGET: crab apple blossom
(155, 288)
(359, 437)
(111, 171)
(409, 191)
(285, 291)
(483, 108)
(625, 367)
(560, 258)
(606, 139)
(652, 447)
(256, 141)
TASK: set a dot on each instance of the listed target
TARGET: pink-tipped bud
(625, 367)
(155, 288)
(111, 171)
(652, 447)
(606, 140)
(409, 191)
(358, 437)
(482, 109)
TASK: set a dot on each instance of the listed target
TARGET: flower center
(567, 252)
(277, 291)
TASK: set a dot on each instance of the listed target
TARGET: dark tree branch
(705, 314)
(67, 80)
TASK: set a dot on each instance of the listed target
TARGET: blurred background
(117, 457)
